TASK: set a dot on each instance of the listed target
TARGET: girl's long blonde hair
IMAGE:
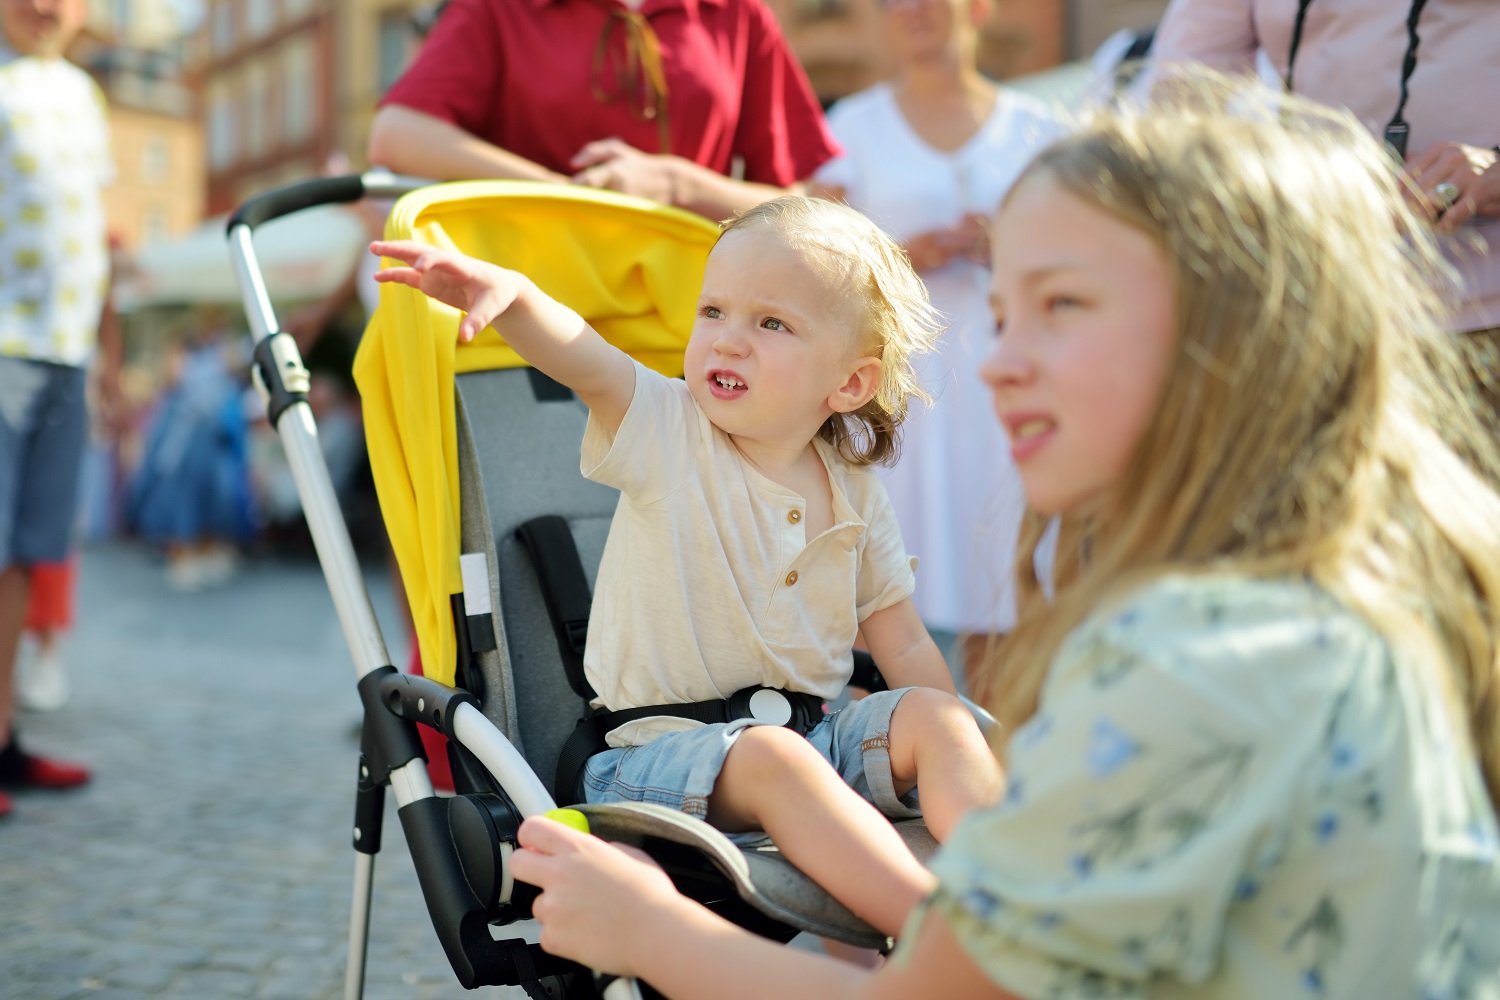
(1314, 422)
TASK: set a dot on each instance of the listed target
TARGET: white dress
(957, 495)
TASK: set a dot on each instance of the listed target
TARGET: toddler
(752, 541)
(1252, 743)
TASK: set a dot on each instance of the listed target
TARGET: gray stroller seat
(519, 436)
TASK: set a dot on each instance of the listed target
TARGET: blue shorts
(43, 432)
(679, 769)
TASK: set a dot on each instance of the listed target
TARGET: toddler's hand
(594, 894)
(483, 291)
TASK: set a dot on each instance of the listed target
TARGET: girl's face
(1084, 311)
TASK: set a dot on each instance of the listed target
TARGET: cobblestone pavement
(210, 856)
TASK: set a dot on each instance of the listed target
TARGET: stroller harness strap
(794, 710)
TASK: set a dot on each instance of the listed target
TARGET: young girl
(1252, 742)
(751, 542)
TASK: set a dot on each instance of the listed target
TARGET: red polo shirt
(519, 74)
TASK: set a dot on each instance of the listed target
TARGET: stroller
(499, 536)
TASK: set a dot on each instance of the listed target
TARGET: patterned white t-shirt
(54, 160)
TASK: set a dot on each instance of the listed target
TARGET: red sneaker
(19, 769)
(4, 805)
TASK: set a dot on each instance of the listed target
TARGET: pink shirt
(1350, 56)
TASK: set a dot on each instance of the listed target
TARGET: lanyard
(1396, 130)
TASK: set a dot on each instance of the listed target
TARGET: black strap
(565, 589)
(588, 737)
(1396, 130)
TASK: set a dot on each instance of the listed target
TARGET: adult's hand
(616, 165)
(1471, 170)
(595, 896)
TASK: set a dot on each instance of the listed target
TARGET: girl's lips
(725, 384)
(1028, 434)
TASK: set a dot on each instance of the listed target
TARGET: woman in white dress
(929, 154)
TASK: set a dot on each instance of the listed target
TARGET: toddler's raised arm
(549, 335)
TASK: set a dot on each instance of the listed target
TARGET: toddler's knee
(930, 708)
(771, 751)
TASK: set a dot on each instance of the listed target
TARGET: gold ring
(1445, 194)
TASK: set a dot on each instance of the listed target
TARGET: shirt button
(794, 516)
(791, 578)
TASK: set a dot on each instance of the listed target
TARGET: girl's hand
(482, 291)
(595, 896)
(930, 251)
(1471, 170)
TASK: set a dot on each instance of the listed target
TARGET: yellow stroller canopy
(630, 267)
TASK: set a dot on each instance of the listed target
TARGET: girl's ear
(858, 389)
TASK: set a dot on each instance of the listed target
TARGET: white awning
(305, 255)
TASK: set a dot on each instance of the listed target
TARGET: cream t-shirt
(709, 583)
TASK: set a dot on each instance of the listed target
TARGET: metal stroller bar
(390, 752)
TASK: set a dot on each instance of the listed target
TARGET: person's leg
(48, 440)
(14, 588)
(936, 745)
(774, 780)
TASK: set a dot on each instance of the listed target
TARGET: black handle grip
(281, 201)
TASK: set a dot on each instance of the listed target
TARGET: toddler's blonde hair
(1314, 422)
(899, 322)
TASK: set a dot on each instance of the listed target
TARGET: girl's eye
(999, 327)
(1057, 302)
(771, 323)
(711, 312)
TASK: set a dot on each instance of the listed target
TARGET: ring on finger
(1445, 194)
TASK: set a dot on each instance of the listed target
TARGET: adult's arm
(111, 350)
(408, 141)
(1218, 33)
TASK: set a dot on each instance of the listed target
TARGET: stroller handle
(264, 207)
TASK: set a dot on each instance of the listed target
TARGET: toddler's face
(1084, 310)
(774, 339)
(41, 27)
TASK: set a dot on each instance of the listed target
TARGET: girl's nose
(1005, 365)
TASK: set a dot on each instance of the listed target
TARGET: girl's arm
(620, 914)
(903, 649)
(551, 337)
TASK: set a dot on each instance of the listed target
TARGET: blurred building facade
(289, 86)
(135, 50)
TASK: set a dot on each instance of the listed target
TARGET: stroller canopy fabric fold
(630, 267)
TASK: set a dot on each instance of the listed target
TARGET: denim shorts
(679, 769)
(43, 432)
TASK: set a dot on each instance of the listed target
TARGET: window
(155, 225)
(299, 96)
(223, 26)
(222, 126)
(393, 48)
(260, 17)
(820, 10)
(156, 160)
(257, 96)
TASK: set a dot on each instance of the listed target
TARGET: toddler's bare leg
(934, 736)
(773, 780)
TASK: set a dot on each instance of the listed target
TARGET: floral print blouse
(1232, 789)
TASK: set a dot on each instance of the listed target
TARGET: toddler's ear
(859, 388)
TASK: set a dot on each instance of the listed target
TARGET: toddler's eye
(1057, 302)
(711, 312)
(772, 323)
(999, 327)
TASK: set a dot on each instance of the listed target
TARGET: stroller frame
(390, 750)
